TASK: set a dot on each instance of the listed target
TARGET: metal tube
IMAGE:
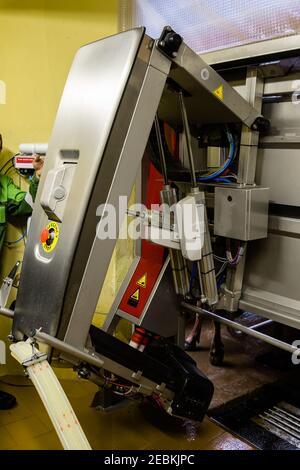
(7, 312)
(161, 150)
(188, 139)
(256, 334)
(259, 325)
(68, 349)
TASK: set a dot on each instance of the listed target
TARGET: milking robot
(153, 113)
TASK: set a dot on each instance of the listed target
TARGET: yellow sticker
(134, 298)
(142, 281)
(50, 244)
(218, 92)
(136, 295)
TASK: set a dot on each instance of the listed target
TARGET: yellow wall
(38, 41)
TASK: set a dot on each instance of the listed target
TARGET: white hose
(58, 407)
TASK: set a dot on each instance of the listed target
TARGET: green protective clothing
(14, 201)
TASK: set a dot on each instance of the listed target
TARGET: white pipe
(58, 407)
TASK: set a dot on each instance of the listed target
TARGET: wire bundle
(217, 175)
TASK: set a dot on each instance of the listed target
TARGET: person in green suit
(15, 202)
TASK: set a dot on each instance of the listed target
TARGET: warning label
(134, 298)
(142, 281)
(218, 92)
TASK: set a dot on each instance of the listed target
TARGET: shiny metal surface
(271, 283)
(117, 180)
(83, 123)
(249, 138)
(199, 83)
(278, 158)
(6, 312)
(241, 214)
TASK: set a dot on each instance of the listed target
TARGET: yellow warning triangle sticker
(142, 281)
(136, 295)
(218, 92)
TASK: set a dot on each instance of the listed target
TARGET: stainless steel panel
(278, 168)
(271, 283)
(278, 162)
(86, 113)
(284, 118)
(286, 84)
(241, 214)
(120, 181)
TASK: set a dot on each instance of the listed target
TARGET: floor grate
(282, 420)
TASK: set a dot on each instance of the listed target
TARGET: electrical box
(241, 213)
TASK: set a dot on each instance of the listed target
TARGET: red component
(45, 235)
(152, 256)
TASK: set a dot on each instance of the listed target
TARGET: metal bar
(259, 325)
(285, 418)
(286, 413)
(271, 421)
(249, 138)
(67, 348)
(7, 312)
(282, 422)
(187, 138)
(161, 150)
(256, 334)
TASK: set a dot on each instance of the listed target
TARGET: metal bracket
(169, 42)
(7, 284)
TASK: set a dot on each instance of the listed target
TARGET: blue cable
(223, 180)
(220, 281)
(193, 274)
(232, 152)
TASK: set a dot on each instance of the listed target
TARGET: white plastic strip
(53, 397)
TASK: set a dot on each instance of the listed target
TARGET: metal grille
(283, 420)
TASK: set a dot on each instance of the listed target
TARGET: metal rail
(6, 312)
(251, 332)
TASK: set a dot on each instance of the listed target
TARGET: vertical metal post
(188, 139)
(246, 176)
(249, 138)
(161, 150)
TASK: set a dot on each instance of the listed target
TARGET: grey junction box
(241, 213)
